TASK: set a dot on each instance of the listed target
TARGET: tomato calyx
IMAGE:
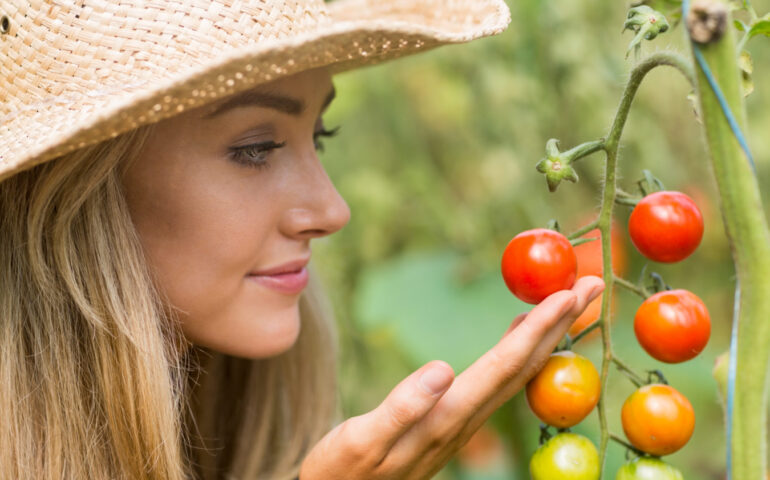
(557, 166)
(656, 283)
(649, 184)
(647, 23)
(656, 376)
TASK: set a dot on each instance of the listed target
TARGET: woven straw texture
(77, 72)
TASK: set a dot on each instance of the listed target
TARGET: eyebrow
(289, 105)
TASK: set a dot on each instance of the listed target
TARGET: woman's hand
(422, 423)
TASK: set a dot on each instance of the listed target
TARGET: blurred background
(436, 157)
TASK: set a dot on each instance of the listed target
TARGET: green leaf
(740, 25)
(762, 27)
(418, 299)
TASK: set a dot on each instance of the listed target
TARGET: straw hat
(77, 72)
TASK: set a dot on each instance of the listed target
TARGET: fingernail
(435, 380)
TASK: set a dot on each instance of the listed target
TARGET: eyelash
(255, 155)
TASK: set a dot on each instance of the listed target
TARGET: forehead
(290, 94)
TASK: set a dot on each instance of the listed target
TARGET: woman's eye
(254, 155)
(323, 133)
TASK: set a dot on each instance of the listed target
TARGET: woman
(159, 193)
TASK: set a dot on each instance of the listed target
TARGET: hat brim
(361, 32)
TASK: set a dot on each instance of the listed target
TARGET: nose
(317, 208)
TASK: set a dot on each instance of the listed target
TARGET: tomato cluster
(672, 326)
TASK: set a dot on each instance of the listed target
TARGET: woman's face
(211, 218)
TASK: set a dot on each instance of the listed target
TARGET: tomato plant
(666, 226)
(537, 263)
(566, 456)
(648, 468)
(565, 391)
(673, 326)
(657, 419)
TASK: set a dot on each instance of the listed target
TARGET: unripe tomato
(666, 226)
(673, 325)
(648, 468)
(537, 263)
(657, 419)
(565, 391)
(566, 456)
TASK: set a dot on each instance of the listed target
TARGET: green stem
(628, 371)
(583, 150)
(605, 215)
(749, 238)
(583, 230)
(590, 328)
(641, 291)
(617, 439)
(631, 202)
(742, 43)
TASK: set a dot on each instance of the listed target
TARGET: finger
(515, 323)
(404, 406)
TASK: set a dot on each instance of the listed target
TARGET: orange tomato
(657, 419)
(590, 262)
(590, 254)
(565, 391)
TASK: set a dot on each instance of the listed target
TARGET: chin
(270, 335)
(276, 336)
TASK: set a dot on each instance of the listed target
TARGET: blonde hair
(97, 379)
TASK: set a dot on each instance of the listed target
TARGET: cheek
(200, 240)
(201, 247)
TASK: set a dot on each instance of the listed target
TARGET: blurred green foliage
(436, 159)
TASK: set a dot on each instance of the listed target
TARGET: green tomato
(566, 456)
(648, 468)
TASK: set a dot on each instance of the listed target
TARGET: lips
(288, 267)
(289, 278)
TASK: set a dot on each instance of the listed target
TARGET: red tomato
(589, 257)
(666, 226)
(657, 419)
(673, 326)
(565, 391)
(537, 263)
